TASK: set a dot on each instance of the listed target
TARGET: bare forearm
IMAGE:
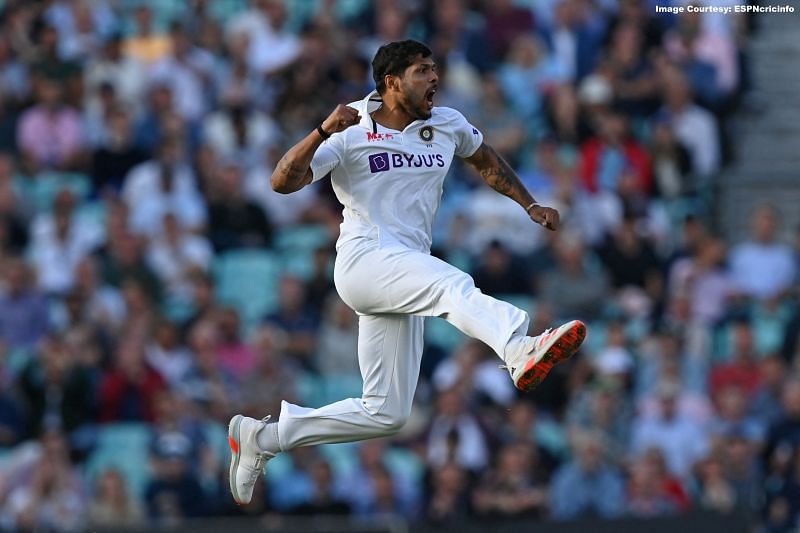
(293, 171)
(502, 178)
(499, 175)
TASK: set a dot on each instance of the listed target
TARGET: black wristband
(322, 133)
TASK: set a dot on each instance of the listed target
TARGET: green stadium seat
(124, 447)
(248, 281)
(440, 333)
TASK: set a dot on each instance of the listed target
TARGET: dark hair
(394, 58)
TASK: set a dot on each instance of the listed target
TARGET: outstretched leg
(389, 355)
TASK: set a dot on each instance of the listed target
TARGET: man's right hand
(342, 118)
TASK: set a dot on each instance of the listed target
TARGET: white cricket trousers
(393, 289)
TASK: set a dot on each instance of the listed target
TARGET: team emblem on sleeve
(426, 134)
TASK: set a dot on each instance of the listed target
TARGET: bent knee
(389, 422)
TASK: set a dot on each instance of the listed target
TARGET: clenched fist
(546, 216)
(342, 118)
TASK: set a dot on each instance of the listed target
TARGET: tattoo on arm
(499, 175)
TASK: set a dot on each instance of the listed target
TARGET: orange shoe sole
(565, 347)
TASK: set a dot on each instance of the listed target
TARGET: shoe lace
(261, 459)
(536, 342)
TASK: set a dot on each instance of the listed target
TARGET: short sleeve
(468, 138)
(327, 157)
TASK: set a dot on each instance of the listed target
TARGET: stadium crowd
(153, 284)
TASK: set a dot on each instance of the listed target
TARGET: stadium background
(153, 285)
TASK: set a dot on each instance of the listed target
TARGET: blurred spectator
(448, 501)
(147, 44)
(235, 221)
(112, 160)
(763, 253)
(162, 185)
(174, 254)
(57, 390)
(235, 355)
(733, 418)
(273, 378)
(239, 132)
(124, 72)
(680, 438)
(187, 70)
(634, 268)
(51, 499)
(128, 391)
(455, 435)
(613, 155)
(741, 367)
(672, 163)
(602, 409)
(574, 288)
(714, 490)
(374, 489)
(504, 23)
(296, 319)
(500, 273)
(167, 355)
(60, 240)
(647, 496)
(323, 501)
(509, 490)
(587, 485)
(271, 46)
(785, 432)
(112, 505)
(573, 39)
(50, 134)
(502, 128)
(207, 385)
(337, 347)
(694, 127)
(23, 309)
(700, 283)
(528, 74)
(174, 494)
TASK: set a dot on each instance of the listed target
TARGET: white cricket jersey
(390, 182)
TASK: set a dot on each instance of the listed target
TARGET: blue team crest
(426, 134)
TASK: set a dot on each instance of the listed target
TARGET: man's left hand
(545, 216)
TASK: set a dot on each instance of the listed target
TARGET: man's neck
(393, 116)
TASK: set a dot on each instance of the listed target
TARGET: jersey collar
(367, 105)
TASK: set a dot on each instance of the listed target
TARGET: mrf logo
(379, 136)
(384, 161)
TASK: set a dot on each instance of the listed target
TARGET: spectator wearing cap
(174, 494)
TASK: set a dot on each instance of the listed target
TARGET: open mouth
(429, 96)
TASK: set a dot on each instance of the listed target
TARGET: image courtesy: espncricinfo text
(724, 9)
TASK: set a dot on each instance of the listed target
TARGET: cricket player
(387, 156)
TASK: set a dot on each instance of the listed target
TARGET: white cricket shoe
(247, 460)
(543, 352)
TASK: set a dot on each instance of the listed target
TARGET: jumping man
(387, 156)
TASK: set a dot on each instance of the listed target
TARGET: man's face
(417, 86)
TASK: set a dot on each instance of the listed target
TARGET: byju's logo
(379, 162)
(383, 161)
